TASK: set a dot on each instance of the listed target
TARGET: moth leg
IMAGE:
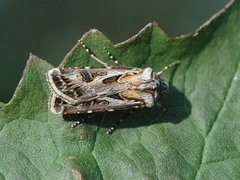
(114, 126)
(92, 55)
(117, 123)
(77, 123)
(111, 56)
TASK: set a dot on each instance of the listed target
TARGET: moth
(84, 90)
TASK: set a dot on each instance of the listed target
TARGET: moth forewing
(55, 81)
(80, 90)
(55, 104)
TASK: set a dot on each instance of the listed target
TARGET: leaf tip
(90, 32)
(32, 61)
(32, 58)
(146, 28)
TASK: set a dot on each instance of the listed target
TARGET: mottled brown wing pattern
(105, 104)
(73, 89)
(70, 84)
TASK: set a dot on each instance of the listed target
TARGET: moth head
(162, 86)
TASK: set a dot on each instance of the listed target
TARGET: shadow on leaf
(175, 102)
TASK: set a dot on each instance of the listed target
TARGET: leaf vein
(216, 118)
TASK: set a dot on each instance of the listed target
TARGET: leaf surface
(202, 142)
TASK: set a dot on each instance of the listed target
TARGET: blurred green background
(49, 29)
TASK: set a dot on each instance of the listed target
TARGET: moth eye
(101, 73)
(103, 103)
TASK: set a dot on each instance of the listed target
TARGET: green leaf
(202, 142)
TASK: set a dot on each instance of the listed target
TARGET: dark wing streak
(59, 106)
(73, 91)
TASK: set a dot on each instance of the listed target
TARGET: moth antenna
(92, 55)
(115, 60)
(167, 67)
